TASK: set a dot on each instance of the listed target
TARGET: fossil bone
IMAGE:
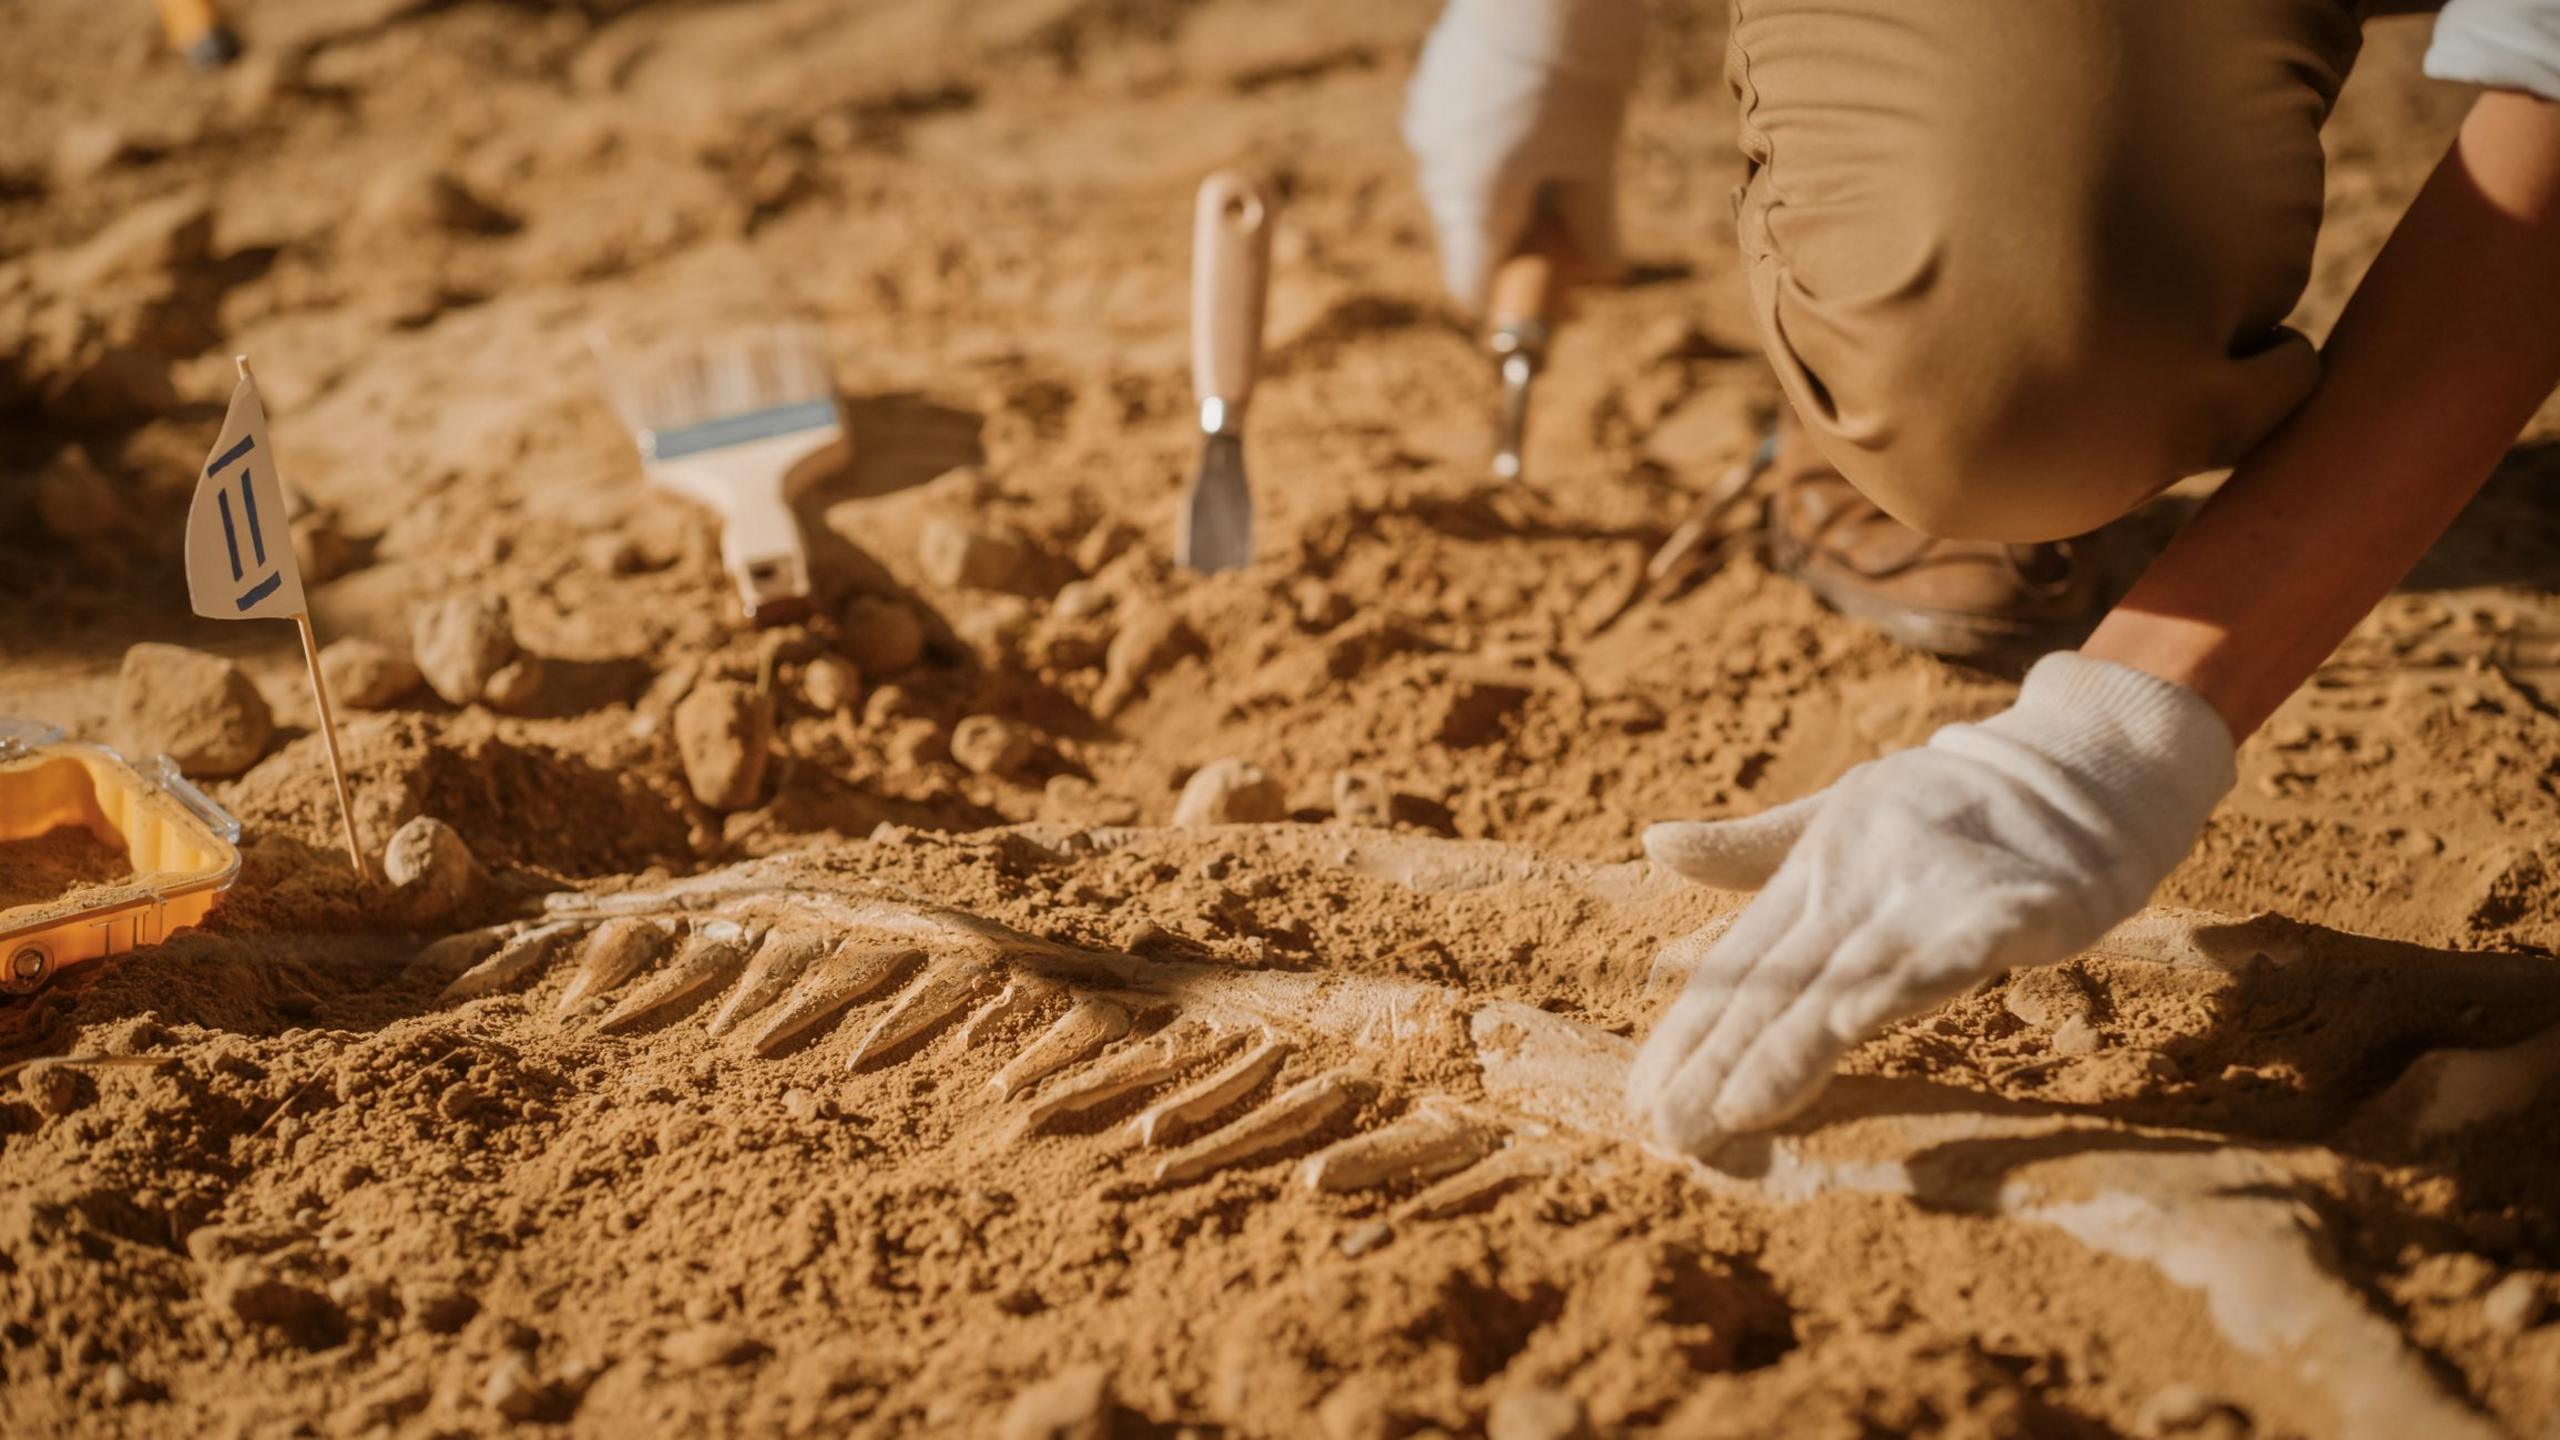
(1288, 1117)
(948, 984)
(513, 964)
(1160, 1122)
(784, 956)
(1422, 1146)
(1075, 1036)
(705, 961)
(618, 950)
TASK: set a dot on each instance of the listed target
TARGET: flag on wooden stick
(240, 562)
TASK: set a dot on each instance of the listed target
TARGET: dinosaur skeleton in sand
(1218, 1068)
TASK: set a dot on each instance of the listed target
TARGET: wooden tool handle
(1530, 286)
(187, 21)
(1230, 275)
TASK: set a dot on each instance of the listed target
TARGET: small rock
(76, 502)
(149, 244)
(253, 1296)
(118, 1386)
(962, 557)
(366, 675)
(2076, 1036)
(830, 684)
(881, 637)
(800, 1105)
(706, 1347)
(1073, 1404)
(85, 152)
(1366, 1238)
(385, 1403)
(890, 704)
(2048, 996)
(212, 1245)
(1230, 792)
(1473, 711)
(1105, 542)
(441, 1309)
(1320, 607)
(460, 641)
(420, 198)
(2513, 1305)
(517, 685)
(431, 868)
(1361, 797)
(197, 709)
(993, 625)
(513, 1390)
(363, 1295)
(724, 731)
(1079, 600)
(1152, 637)
(321, 547)
(458, 1103)
(2417, 844)
(915, 744)
(1537, 1415)
(55, 1090)
(260, 79)
(1360, 1408)
(614, 554)
(992, 745)
(1631, 713)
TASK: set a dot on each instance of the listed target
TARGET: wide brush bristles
(686, 380)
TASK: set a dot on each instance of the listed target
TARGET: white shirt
(2503, 44)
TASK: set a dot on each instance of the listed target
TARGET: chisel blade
(1215, 531)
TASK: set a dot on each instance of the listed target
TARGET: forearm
(2447, 349)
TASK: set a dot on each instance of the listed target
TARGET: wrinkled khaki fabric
(2022, 263)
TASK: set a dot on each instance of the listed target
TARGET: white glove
(1516, 96)
(2016, 841)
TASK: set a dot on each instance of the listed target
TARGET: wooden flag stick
(329, 738)
(328, 715)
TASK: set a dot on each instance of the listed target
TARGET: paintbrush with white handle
(725, 419)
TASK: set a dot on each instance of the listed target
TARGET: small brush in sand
(727, 419)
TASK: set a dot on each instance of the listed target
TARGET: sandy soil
(833, 1155)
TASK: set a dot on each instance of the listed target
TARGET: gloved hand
(1513, 97)
(2015, 841)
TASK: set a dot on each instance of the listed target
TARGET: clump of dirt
(67, 863)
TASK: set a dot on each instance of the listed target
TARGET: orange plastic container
(184, 849)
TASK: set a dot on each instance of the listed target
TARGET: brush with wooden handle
(1230, 275)
(1527, 303)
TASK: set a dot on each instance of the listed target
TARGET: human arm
(2018, 841)
(2450, 344)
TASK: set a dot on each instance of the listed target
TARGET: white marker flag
(239, 549)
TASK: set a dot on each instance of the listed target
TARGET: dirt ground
(960, 1092)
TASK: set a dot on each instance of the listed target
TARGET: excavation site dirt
(1047, 992)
